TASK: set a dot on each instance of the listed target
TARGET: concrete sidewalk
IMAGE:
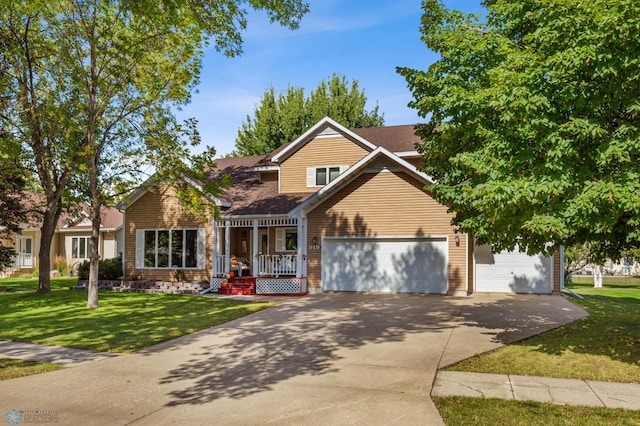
(544, 389)
(66, 357)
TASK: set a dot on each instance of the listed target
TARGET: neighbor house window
(286, 239)
(171, 248)
(321, 176)
(80, 247)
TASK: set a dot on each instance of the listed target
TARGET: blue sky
(361, 39)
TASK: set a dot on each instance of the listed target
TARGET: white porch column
(227, 246)
(255, 262)
(214, 246)
(302, 246)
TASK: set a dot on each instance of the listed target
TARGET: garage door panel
(385, 265)
(511, 272)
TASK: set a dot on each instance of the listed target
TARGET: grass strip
(461, 410)
(12, 368)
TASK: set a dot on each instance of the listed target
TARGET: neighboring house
(334, 210)
(71, 240)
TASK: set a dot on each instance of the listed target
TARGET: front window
(175, 248)
(80, 247)
(325, 175)
(287, 239)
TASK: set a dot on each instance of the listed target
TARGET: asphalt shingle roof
(250, 196)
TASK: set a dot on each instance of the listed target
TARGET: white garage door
(511, 272)
(403, 265)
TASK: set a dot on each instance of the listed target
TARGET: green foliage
(108, 269)
(282, 117)
(534, 122)
(12, 211)
(91, 87)
(83, 270)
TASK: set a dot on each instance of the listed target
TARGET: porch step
(239, 286)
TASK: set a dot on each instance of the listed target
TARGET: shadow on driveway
(319, 335)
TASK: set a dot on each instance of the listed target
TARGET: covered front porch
(259, 255)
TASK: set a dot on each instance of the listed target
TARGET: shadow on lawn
(610, 330)
(309, 337)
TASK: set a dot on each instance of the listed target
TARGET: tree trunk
(47, 230)
(92, 298)
(597, 276)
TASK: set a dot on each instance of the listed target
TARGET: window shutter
(311, 177)
(202, 248)
(280, 239)
(139, 248)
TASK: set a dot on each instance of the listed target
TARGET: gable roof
(354, 171)
(136, 194)
(111, 218)
(321, 126)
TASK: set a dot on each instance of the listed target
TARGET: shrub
(60, 263)
(109, 269)
(83, 270)
(179, 275)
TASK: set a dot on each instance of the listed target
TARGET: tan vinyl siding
(407, 210)
(160, 209)
(322, 151)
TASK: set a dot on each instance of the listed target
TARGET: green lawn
(124, 322)
(603, 346)
(10, 368)
(499, 412)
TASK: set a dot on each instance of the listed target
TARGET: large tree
(93, 83)
(533, 132)
(13, 212)
(282, 117)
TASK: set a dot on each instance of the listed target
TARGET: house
(71, 240)
(334, 210)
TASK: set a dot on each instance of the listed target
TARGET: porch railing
(277, 264)
(268, 265)
(24, 261)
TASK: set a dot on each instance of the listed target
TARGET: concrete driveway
(325, 359)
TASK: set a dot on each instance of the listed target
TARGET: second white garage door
(511, 272)
(393, 265)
